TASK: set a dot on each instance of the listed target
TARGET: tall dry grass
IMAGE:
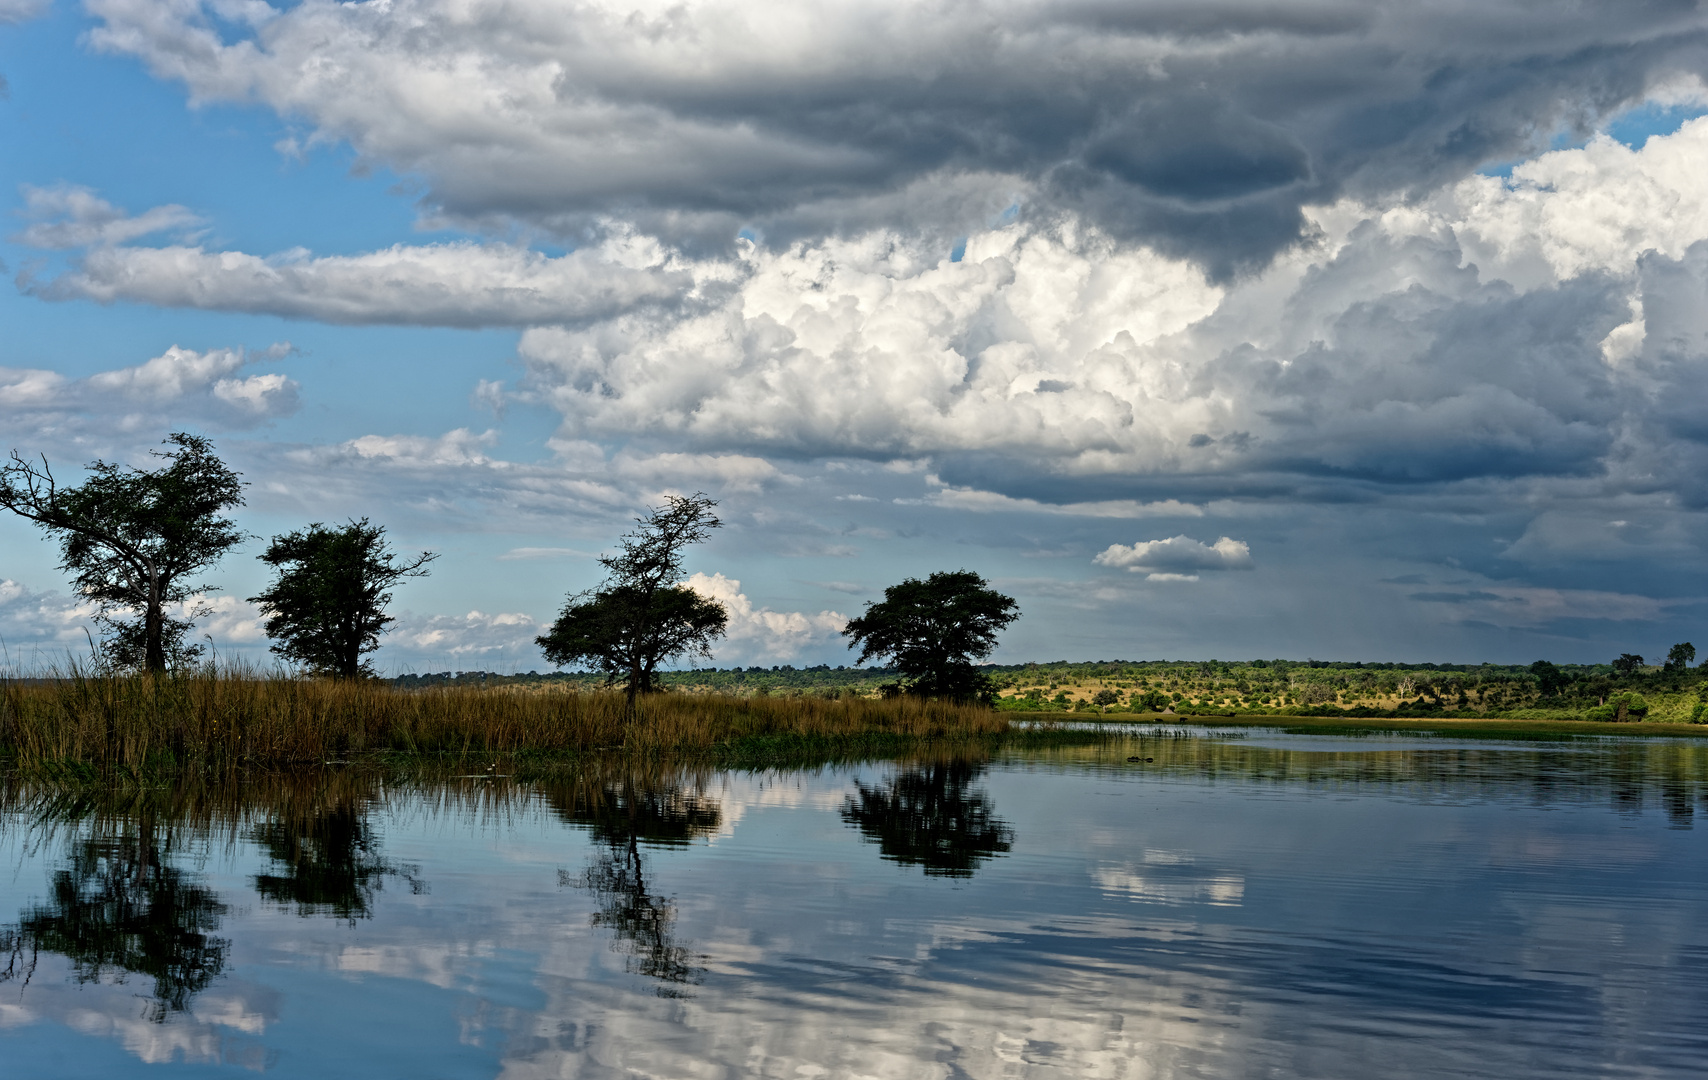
(228, 719)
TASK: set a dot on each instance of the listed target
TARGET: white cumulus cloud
(1433, 342)
(17, 11)
(210, 387)
(475, 640)
(761, 633)
(877, 344)
(1179, 558)
(990, 502)
(42, 628)
(68, 216)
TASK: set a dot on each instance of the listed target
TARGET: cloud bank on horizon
(1379, 294)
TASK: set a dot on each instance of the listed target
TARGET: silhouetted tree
(1628, 664)
(1680, 656)
(641, 616)
(119, 908)
(326, 607)
(926, 816)
(131, 537)
(934, 630)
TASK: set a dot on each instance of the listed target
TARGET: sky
(1348, 330)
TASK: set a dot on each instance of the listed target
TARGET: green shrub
(1620, 708)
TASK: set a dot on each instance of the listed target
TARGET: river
(1174, 903)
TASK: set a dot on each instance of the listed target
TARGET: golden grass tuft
(239, 719)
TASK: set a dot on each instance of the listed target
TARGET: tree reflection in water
(119, 908)
(926, 816)
(622, 817)
(326, 861)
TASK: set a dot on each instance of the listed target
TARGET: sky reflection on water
(1264, 906)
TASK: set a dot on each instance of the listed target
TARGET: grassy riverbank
(231, 721)
(223, 721)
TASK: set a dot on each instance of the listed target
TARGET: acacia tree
(327, 606)
(934, 630)
(131, 537)
(642, 614)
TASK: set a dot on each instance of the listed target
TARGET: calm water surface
(1239, 905)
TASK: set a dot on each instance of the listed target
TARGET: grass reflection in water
(1625, 774)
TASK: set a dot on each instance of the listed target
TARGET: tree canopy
(622, 633)
(641, 615)
(1549, 678)
(131, 537)
(326, 607)
(934, 630)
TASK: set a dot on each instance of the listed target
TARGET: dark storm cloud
(1674, 360)
(1203, 127)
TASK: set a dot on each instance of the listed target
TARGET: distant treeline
(1620, 691)
(1224, 687)
(737, 680)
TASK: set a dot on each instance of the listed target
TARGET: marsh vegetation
(215, 720)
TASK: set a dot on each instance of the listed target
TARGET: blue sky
(1398, 365)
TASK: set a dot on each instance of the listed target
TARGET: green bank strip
(1486, 727)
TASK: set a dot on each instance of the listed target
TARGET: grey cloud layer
(1544, 329)
(1539, 329)
(1202, 127)
(461, 284)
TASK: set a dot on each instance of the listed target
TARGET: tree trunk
(153, 628)
(637, 632)
(350, 654)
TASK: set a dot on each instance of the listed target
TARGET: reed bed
(221, 720)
